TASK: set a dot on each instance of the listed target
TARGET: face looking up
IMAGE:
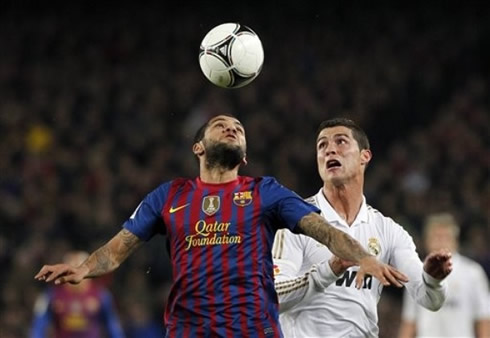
(223, 143)
(339, 158)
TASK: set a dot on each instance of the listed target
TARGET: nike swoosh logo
(172, 209)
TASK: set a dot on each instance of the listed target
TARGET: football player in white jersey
(466, 310)
(317, 293)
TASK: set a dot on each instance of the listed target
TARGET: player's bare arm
(104, 260)
(108, 257)
(345, 247)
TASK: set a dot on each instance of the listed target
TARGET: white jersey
(316, 303)
(466, 303)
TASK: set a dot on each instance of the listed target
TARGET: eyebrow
(222, 119)
(335, 135)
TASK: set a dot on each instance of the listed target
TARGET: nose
(330, 149)
(231, 128)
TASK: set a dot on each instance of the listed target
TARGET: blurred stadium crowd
(99, 105)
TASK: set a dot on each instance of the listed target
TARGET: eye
(341, 141)
(321, 145)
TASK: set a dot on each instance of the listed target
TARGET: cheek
(320, 160)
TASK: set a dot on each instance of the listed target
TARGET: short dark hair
(200, 132)
(357, 132)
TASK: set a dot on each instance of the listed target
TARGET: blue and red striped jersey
(220, 239)
(85, 310)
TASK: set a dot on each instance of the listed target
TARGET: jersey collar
(332, 216)
(203, 185)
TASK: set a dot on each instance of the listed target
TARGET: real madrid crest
(373, 246)
(210, 205)
(242, 198)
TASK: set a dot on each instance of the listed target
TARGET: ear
(366, 156)
(198, 149)
(244, 160)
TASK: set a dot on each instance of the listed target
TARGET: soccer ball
(231, 55)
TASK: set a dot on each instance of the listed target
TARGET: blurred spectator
(82, 310)
(465, 312)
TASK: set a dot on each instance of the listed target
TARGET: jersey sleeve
(146, 220)
(283, 204)
(423, 288)
(110, 317)
(293, 287)
(42, 316)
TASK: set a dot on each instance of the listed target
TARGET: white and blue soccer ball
(231, 55)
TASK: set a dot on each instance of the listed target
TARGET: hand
(339, 265)
(386, 274)
(439, 264)
(61, 273)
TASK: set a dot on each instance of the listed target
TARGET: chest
(70, 304)
(370, 236)
(461, 286)
(207, 218)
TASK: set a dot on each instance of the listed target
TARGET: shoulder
(285, 238)
(312, 200)
(470, 265)
(178, 182)
(173, 185)
(251, 180)
(265, 180)
(378, 218)
(386, 224)
(269, 183)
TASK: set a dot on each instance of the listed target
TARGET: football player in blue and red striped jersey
(74, 311)
(220, 227)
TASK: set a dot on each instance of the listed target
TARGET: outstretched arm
(439, 264)
(104, 260)
(426, 286)
(347, 248)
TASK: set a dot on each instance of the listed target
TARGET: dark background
(99, 103)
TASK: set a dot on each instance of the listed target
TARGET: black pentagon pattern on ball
(222, 51)
(216, 53)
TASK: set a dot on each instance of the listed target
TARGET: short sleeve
(284, 204)
(146, 220)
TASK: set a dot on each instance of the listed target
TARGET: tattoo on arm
(108, 257)
(341, 244)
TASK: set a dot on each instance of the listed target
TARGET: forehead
(439, 229)
(224, 118)
(334, 131)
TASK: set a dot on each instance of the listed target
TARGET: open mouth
(231, 136)
(333, 164)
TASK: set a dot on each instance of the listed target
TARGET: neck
(218, 175)
(346, 199)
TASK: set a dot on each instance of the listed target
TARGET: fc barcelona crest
(242, 198)
(210, 205)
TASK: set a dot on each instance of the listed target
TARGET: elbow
(436, 303)
(435, 307)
